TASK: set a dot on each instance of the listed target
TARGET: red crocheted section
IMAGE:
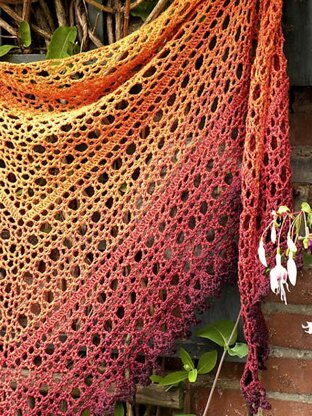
(134, 181)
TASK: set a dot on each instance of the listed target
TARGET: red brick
(285, 330)
(232, 371)
(300, 294)
(224, 402)
(287, 375)
(300, 129)
(287, 408)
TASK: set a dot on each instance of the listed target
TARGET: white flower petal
(278, 278)
(273, 234)
(292, 270)
(278, 259)
(274, 281)
(308, 328)
(283, 295)
(261, 253)
(291, 245)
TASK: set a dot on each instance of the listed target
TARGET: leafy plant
(24, 37)
(206, 363)
(222, 333)
(62, 44)
(219, 332)
(24, 34)
(119, 409)
(4, 49)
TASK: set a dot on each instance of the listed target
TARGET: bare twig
(129, 409)
(96, 23)
(71, 8)
(79, 28)
(46, 11)
(118, 20)
(92, 34)
(26, 9)
(134, 4)
(109, 24)
(82, 18)
(60, 13)
(7, 36)
(156, 11)
(14, 1)
(126, 18)
(19, 19)
(99, 6)
(95, 39)
(8, 27)
(42, 22)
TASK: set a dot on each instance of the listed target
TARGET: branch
(106, 9)
(156, 11)
(26, 9)
(94, 39)
(126, 18)
(47, 14)
(60, 13)
(133, 5)
(118, 20)
(109, 24)
(19, 19)
(8, 28)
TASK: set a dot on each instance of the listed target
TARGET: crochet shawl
(135, 181)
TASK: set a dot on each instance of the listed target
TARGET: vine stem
(220, 365)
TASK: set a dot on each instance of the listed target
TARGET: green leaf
(155, 378)
(207, 362)
(85, 412)
(119, 409)
(61, 43)
(219, 332)
(305, 243)
(4, 49)
(240, 350)
(305, 207)
(282, 210)
(309, 219)
(24, 33)
(186, 359)
(192, 375)
(144, 9)
(298, 224)
(307, 259)
(174, 378)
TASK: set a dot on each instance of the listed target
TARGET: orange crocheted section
(134, 180)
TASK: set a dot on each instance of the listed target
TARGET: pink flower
(308, 328)
(278, 278)
(261, 253)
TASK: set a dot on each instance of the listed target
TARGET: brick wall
(288, 378)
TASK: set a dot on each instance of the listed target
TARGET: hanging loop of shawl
(135, 180)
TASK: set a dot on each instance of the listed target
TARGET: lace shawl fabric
(135, 180)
